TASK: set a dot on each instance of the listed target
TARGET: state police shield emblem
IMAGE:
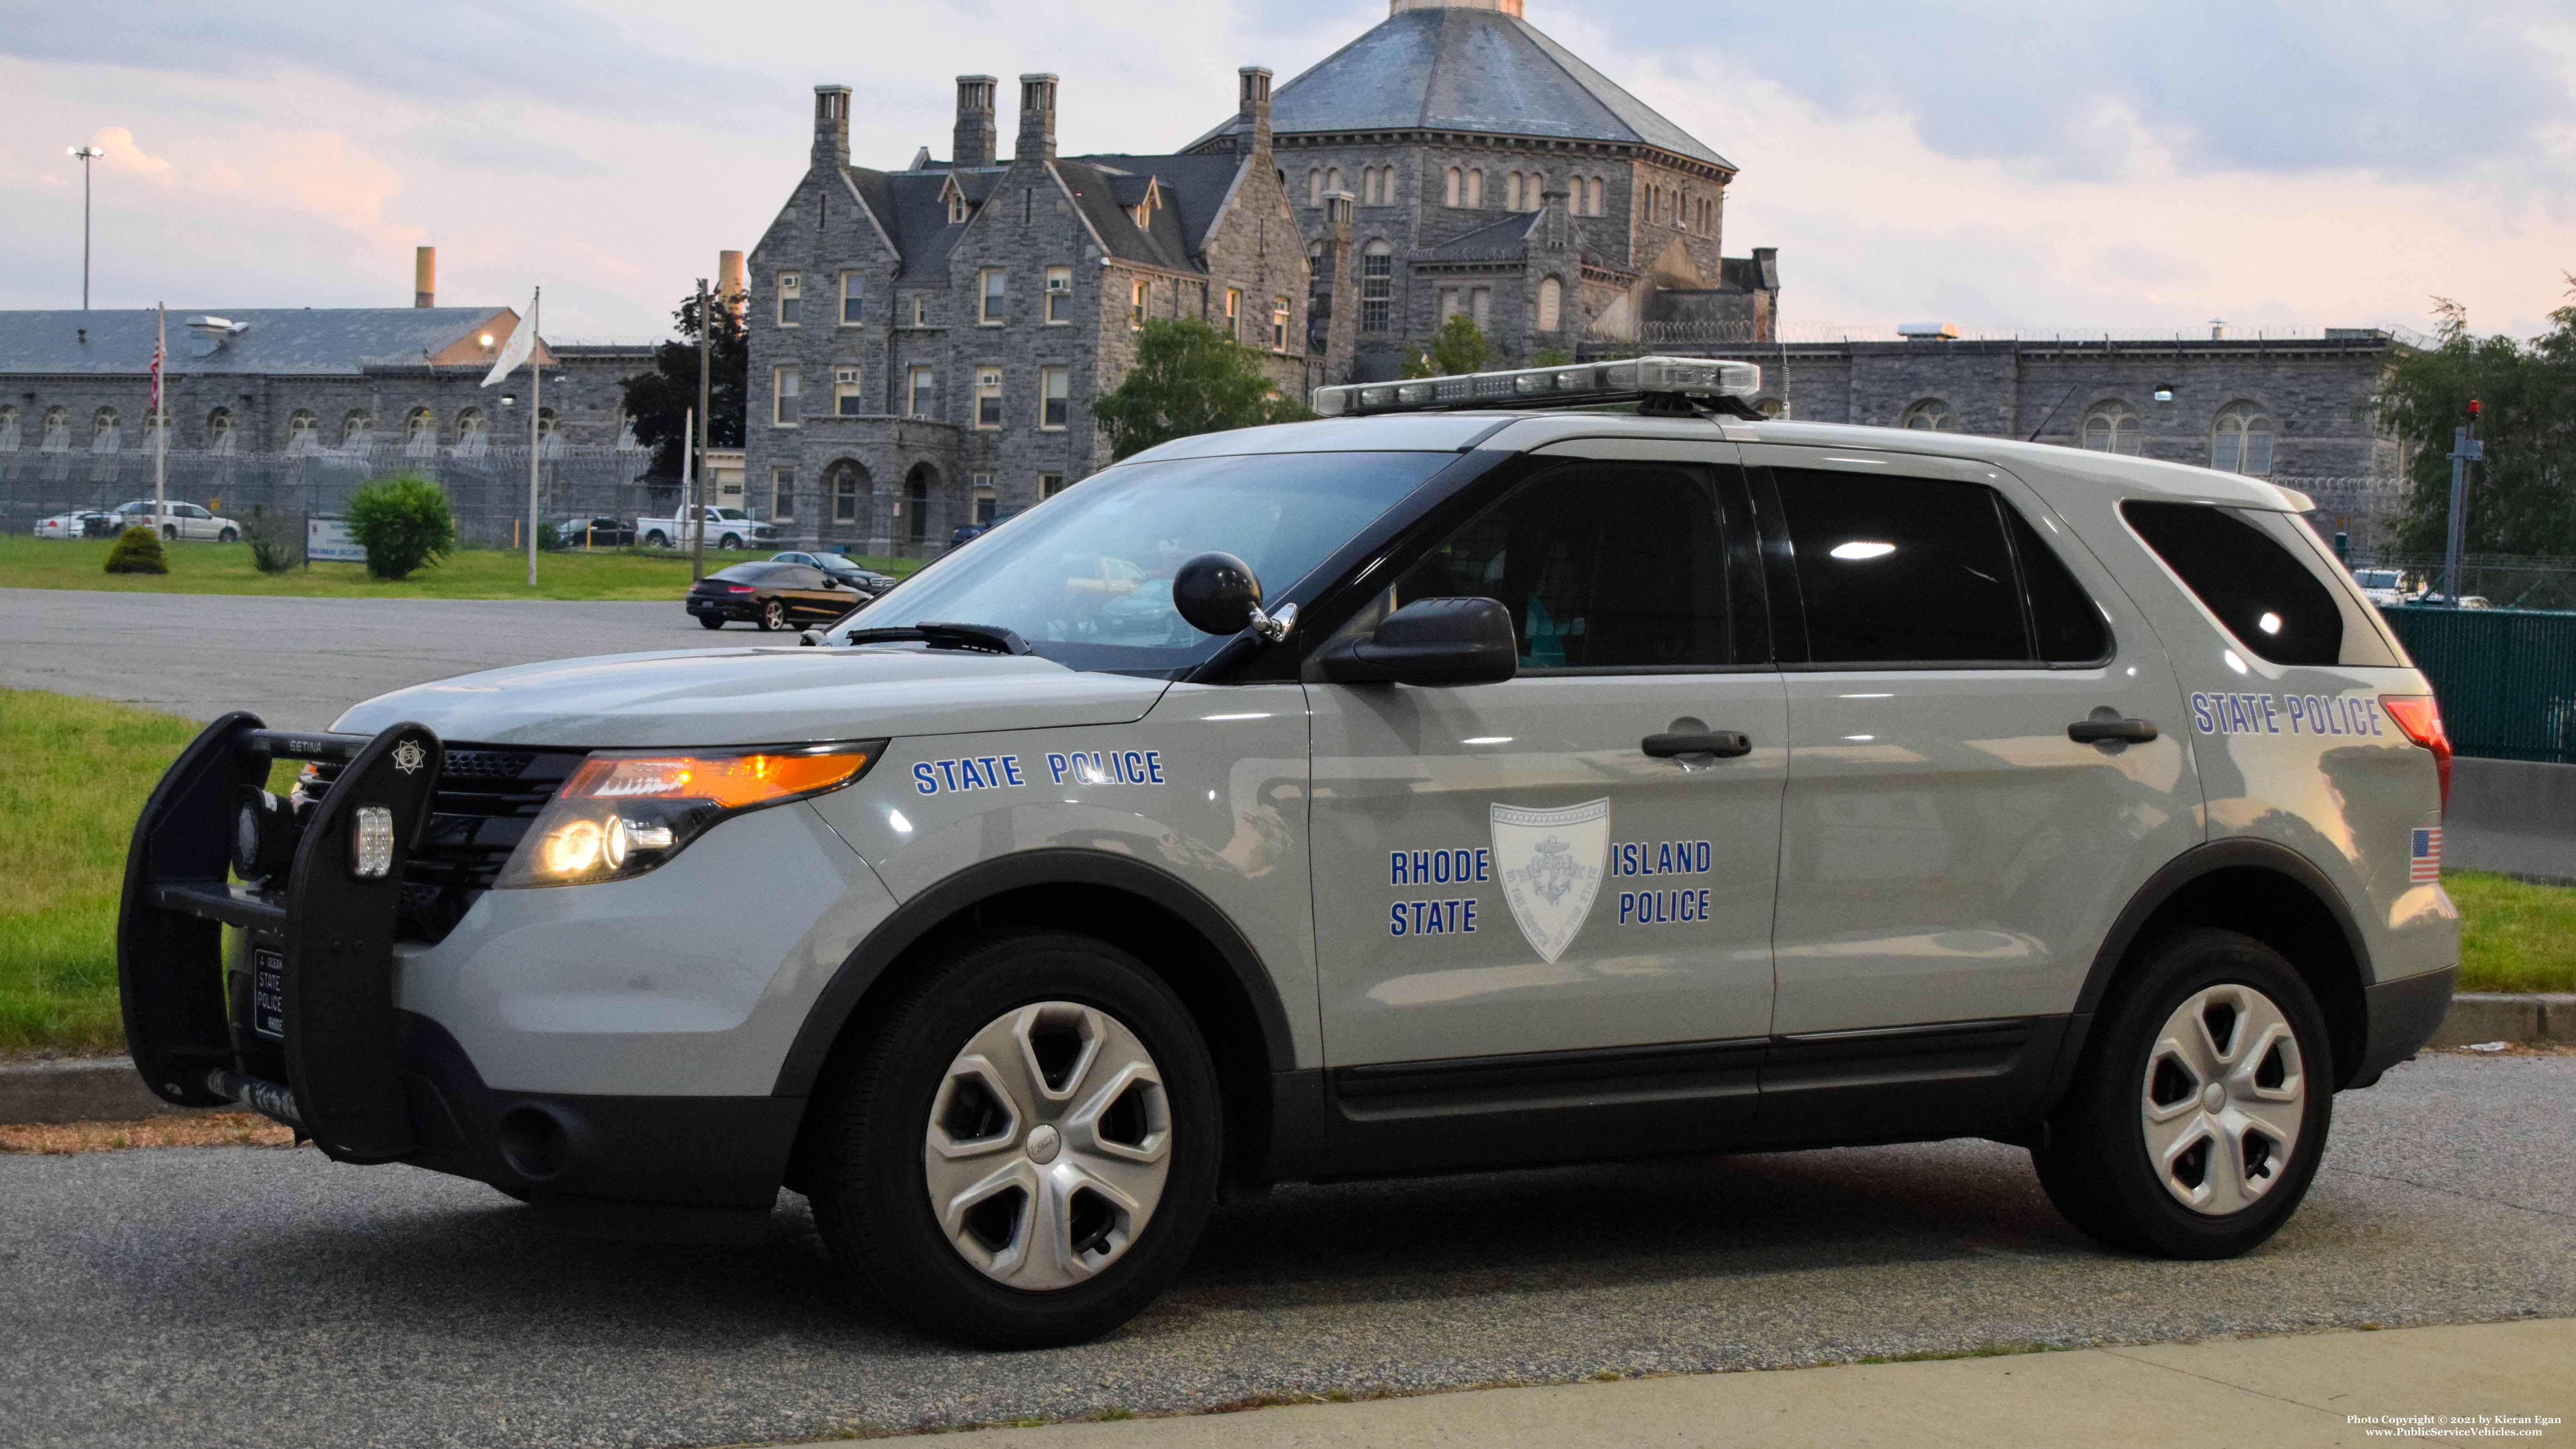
(1551, 864)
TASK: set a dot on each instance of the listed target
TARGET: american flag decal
(2424, 856)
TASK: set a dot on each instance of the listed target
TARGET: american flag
(157, 352)
(2424, 857)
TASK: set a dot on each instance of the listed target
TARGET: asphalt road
(298, 663)
(249, 1297)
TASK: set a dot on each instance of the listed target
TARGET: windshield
(1086, 577)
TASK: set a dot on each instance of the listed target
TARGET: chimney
(729, 279)
(1037, 117)
(977, 138)
(424, 276)
(1252, 111)
(832, 126)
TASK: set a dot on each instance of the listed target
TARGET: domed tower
(1470, 164)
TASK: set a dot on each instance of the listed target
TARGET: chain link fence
(487, 487)
(2506, 678)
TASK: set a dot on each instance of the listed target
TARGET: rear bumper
(2403, 1015)
(706, 608)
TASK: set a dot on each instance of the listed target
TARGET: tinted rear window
(2250, 573)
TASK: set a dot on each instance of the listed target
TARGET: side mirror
(1431, 641)
(1216, 593)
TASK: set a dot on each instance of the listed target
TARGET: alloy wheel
(2224, 1095)
(1048, 1145)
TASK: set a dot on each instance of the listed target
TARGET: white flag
(523, 340)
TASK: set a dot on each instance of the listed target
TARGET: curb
(106, 1089)
(2542, 1018)
(88, 1089)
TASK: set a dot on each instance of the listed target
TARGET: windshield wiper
(982, 638)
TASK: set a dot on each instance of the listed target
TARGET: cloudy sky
(2004, 166)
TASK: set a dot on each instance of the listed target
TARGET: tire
(773, 616)
(710, 621)
(942, 1090)
(226, 536)
(170, 532)
(2209, 1054)
(730, 541)
(656, 540)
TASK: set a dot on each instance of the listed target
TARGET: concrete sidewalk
(2398, 1386)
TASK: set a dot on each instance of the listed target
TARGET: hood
(767, 696)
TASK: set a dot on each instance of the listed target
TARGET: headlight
(623, 813)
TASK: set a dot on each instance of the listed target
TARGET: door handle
(2110, 731)
(1725, 744)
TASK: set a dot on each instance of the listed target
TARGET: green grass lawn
(74, 773)
(225, 568)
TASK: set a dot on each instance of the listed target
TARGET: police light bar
(1719, 385)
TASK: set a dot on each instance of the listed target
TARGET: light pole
(86, 154)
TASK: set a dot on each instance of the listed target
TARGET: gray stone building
(924, 342)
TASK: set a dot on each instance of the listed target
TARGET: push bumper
(281, 997)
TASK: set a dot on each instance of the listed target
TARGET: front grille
(486, 800)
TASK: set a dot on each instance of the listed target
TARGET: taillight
(2421, 720)
(741, 589)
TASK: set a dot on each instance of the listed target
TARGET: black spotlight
(265, 833)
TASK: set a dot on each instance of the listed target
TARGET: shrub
(137, 551)
(272, 541)
(404, 524)
(550, 537)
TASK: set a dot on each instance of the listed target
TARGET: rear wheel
(2201, 1108)
(1023, 1151)
(656, 540)
(709, 621)
(170, 531)
(773, 615)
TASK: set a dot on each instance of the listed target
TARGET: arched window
(103, 434)
(917, 505)
(1597, 201)
(1314, 186)
(303, 432)
(2112, 428)
(219, 430)
(1456, 195)
(1931, 415)
(1377, 287)
(1534, 191)
(1551, 304)
(845, 483)
(1476, 187)
(8, 429)
(470, 423)
(1512, 192)
(420, 432)
(1368, 186)
(1332, 178)
(2242, 442)
(355, 426)
(58, 430)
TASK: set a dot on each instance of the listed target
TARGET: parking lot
(299, 662)
(248, 1296)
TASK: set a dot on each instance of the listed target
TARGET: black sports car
(772, 595)
(590, 532)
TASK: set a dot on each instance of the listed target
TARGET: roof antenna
(2052, 413)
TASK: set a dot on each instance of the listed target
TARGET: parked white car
(79, 523)
(178, 521)
(726, 528)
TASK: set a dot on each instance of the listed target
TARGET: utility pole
(2465, 449)
(87, 154)
(706, 424)
(536, 410)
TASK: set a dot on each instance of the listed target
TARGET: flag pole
(160, 422)
(536, 405)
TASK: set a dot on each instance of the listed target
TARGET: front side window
(1059, 295)
(1377, 287)
(854, 298)
(1055, 393)
(790, 299)
(988, 398)
(1087, 578)
(2251, 569)
(1603, 565)
(2242, 442)
(783, 384)
(848, 400)
(991, 288)
(924, 392)
(1898, 571)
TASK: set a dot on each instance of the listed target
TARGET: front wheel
(226, 536)
(2201, 1107)
(729, 541)
(773, 616)
(1024, 1148)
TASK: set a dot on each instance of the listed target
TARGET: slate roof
(1467, 70)
(299, 341)
(1195, 187)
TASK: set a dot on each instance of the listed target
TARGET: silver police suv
(1471, 779)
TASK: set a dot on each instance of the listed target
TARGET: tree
(404, 523)
(1461, 347)
(659, 401)
(1188, 379)
(2522, 499)
(137, 551)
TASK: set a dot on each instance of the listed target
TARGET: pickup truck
(726, 528)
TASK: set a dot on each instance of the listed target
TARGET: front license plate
(268, 994)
